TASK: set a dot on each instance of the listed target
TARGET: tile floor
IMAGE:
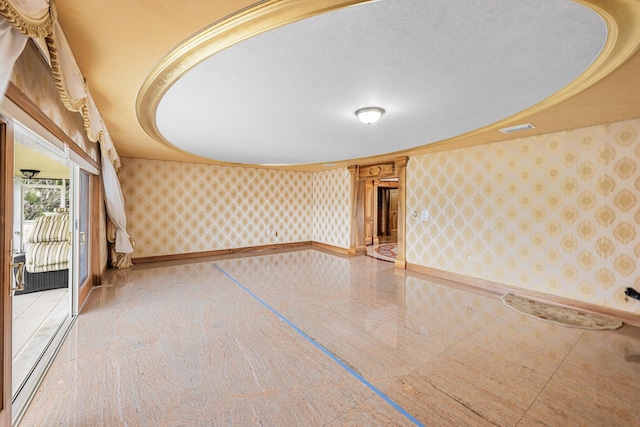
(36, 317)
(371, 251)
(306, 338)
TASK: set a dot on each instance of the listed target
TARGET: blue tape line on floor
(320, 347)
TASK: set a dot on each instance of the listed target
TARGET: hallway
(309, 338)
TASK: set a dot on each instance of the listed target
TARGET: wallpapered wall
(331, 207)
(556, 213)
(186, 207)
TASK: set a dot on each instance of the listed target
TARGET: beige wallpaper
(331, 207)
(556, 213)
(185, 207)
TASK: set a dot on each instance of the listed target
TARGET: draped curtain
(12, 43)
(21, 19)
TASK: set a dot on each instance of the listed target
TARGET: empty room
(320, 213)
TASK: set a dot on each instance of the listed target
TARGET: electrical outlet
(268, 232)
(470, 259)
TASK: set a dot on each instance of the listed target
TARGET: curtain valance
(37, 19)
(21, 19)
(33, 18)
(12, 43)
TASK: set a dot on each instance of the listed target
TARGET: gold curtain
(37, 19)
(33, 18)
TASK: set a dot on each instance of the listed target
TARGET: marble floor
(36, 318)
(307, 338)
(373, 251)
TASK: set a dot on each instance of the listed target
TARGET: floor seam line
(324, 350)
(550, 378)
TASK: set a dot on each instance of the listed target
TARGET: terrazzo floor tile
(496, 372)
(372, 412)
(197, 344)
(598, 383)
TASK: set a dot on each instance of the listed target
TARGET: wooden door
(6, 258)
(368, 213)
(393, 211)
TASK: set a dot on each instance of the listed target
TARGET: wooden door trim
(6, 258)
(396, 168)
(29, 107)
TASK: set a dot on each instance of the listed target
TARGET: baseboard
(83, 295)
(190, 255)
(501, 289)
(329, 248)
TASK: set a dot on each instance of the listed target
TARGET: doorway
(387, 212)
(383, 243)
(378, 202)
(44, 258)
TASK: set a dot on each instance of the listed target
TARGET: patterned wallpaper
(555, 213)
(186, 207)
(331, 207)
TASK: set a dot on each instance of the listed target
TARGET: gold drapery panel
(33, 18)
(65, 71)
(74, 92)
(119, 260)
(37, 19)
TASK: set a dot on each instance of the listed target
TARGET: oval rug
(559, 315)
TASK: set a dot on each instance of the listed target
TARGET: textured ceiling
(458, 67)
(439, 69)
(32, 153)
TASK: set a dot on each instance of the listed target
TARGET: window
(40, 197)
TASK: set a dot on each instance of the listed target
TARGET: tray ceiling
(448, 74)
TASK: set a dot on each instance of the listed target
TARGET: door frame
(6, 259)
(396, 168)
(16, 106)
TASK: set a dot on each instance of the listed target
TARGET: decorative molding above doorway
(360, 175)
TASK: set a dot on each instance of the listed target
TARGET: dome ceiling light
(369, 115)
(29, 173)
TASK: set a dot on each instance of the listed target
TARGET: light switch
(424, 215)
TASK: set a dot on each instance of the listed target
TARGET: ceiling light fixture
(29, 173)
(369, 115)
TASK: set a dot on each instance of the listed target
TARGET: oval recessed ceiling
(439, 69)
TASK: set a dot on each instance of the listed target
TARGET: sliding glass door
(45, 193)
(82, 236)
(47, 231)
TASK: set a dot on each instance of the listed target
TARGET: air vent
(518, 128)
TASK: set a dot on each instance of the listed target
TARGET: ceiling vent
(517, 128)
